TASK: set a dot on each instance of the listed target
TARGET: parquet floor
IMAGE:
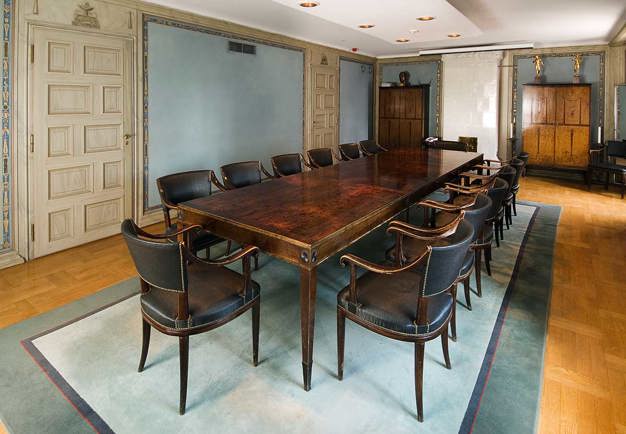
(585, 364)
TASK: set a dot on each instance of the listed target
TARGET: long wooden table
(304, 219)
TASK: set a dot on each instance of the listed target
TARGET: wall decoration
(577, 60)
(6, 241)
(405, 78)
(86, 17)
(324, 60)
(538, 66)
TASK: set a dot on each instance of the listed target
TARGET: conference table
(304, 219)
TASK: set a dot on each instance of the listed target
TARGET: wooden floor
(585, 364)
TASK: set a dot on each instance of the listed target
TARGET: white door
(325, 92)
(80, 143)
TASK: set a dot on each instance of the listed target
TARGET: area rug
(74, 369)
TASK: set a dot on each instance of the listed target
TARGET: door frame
(25, 160)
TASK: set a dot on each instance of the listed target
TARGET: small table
(304, 219)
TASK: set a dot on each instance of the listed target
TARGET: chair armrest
(600, 149)
(217, 182)
(442, 206)
(145, 234)
(425, 234)
(337, 156)
(306, 163)
(265, 172)
(228, 260)
(355, 261)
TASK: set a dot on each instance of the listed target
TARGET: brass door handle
(127, 138)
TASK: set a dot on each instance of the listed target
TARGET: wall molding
(6, 162)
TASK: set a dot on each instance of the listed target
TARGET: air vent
(238, 47)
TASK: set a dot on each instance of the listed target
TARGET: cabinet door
(405, 132)
(572, 105)
(572, 146)
(394, 132)
(383, 132)
(539, 143)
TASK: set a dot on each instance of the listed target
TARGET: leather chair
(349, 151)
(508, 174)
(524, 157)
(409, 302)
(183, 295)
(181, 187)
(605, 159)
(288, 164)
(449, 145)
(370, 147)
(495, 219)
(321, 157)
(518, 165)
(241, 174)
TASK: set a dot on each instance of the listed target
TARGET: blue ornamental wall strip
(5, 167)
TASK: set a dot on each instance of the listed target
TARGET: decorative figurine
(577, 61)
(405, 78)
(538, 66)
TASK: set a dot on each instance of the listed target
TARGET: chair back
(616, 149)
(446, 259)
(508, 173)
(349, 151)
(370, 147)
(478, 213)
(242, 174)
(497, 193)
(184, 186)
(160, 264)
(518, 165)
(449, 145)
(320, 157)
(286, 164)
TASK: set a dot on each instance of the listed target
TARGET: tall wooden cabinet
(402, 115)
(556, 124)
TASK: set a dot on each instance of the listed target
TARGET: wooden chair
(370, 147)
(471, 142)
(241, 174)
(183, 295)
(518, 165)
(349, 151)
(409, 302)
(610, 159)
(508, 174)
(181, 187)
(288, 164)
(321, 157)
(497, 193)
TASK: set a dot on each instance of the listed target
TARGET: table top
(310, 207)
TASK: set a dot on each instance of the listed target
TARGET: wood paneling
(556, 130)
(403, 116)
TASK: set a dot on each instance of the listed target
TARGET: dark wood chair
(183, 295)
(241, 174)
(288, 164)
(606, 159)
(497, 193)
(181, 187)
(349, 151)
(508, 174)
(410, 302)
(321, 157)
(370, 147)
(519, 166)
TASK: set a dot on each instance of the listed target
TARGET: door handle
(127, 138)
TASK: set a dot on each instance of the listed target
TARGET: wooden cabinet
(402, 115)
(556, 128)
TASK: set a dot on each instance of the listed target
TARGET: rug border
(91, 417)
(473, 407)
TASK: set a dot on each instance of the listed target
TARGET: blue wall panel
(355, 101)
(208, 106)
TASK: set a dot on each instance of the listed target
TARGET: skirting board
(9, 259)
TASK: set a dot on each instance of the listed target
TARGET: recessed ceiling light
(402, 40)
(366, 26)
(426, 18)
(454, 35)
(309, 4)
(413, 31)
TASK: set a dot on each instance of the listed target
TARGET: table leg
(308, 289)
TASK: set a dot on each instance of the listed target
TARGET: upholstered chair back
(184, 186)
(508, 173)
(286, 164)
(160, 264)
(370, 146)
(497, 194)
(242, 174)
(478, 213)
(349, 151)
(320, 157)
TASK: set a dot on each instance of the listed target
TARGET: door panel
(78, 168)
(324, 129)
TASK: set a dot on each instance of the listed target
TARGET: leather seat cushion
(390, 301)
(214, 293)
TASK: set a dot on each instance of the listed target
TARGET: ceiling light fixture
(366, 26)
(426, 18)
(309, 4)
(454, 35)
(402, 40)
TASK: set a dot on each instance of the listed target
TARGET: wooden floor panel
(584, 388)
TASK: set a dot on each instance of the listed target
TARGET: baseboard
(9, 259)
(568, 174)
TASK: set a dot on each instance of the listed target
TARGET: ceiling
(479, 22)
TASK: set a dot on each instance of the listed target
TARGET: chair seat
(390, 302)
(213, 296)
